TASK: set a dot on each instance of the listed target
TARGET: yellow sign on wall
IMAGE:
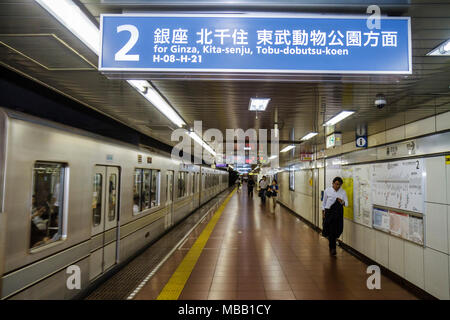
(447, 159)
(348, 187)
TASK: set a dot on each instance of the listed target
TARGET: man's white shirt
(330, 196)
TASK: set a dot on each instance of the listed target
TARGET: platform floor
(253, 254)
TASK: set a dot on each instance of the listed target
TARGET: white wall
(428, 267)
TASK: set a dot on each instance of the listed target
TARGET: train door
(105, 217)
(169, 192)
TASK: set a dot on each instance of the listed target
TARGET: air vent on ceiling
(46, 50)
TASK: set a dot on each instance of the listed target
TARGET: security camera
(380, 101)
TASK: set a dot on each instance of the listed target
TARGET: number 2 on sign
(122, 54)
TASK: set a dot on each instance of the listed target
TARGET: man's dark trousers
(333, 224)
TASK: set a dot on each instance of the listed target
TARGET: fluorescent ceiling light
(309, 136)
(149, 93)
(258, 104)
(286, 149)
(273, 157)
(247, 148)
(71, 16)
(339, 117)
(442, 50)
(199, 140)
(140, 85)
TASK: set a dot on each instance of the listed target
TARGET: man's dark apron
(333, 222)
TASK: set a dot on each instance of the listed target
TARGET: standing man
(250, 185)
(334, 200)
(262, 189)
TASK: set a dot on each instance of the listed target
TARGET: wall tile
(436, 180)
(436, 273)
(414, 264)
(420, 127)
(395, 134)
(443, 121)
(382, 248)
(436, 225)
(447, 167)
(359, 237)
(377, 139)
(397, 255)
(369, 243)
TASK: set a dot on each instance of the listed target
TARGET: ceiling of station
(302, 105)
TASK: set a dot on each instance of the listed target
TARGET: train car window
(47, 203)
(193, 183)
(97, 200)
(154, 193)
(137, 190)
(112, 197)
(181, 184)
(146, 189)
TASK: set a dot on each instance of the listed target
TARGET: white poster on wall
(399, 185)
(362, 204)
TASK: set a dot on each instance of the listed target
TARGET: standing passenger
(273, 190)
(334, 200)
(250, 185)
(262, 189)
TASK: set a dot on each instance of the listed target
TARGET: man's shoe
(333, 252)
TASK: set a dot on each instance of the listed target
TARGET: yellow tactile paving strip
(176, 283)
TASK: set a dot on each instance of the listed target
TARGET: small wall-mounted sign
(306, 156)
(361, 142)
(139, 158)
(447, 159)
(361, 136)
(109, 157)
(149, 159)
(334, 140)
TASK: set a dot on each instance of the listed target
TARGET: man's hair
(339, 179)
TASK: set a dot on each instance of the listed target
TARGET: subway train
(69, 198)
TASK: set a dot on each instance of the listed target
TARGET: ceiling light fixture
(286, 149)
(309, 136)
(339, 117)
(258, 104)
(71, 16)
(150, 93)
(199, 140)
(442, 50)
(273, 157)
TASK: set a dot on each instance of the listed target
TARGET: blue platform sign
(254, 44)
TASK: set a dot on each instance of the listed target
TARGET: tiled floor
(253, 254)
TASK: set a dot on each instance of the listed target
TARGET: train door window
(47, 203)
(193, 183)
(112, 197)
(146, 189)
(137, 190)
(154, 190)
(97, 200)
(197, 186)
(181, 184)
